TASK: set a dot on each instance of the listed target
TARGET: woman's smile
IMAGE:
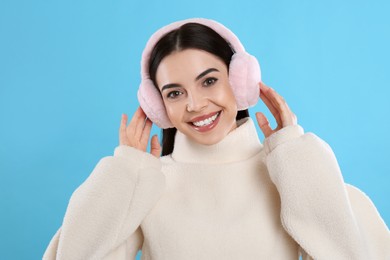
(205, 123)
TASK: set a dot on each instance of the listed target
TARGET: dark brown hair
(188, 36)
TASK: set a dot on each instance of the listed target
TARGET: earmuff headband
(244, 73)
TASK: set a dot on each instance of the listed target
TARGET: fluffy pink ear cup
(244, 77)
(152, 104)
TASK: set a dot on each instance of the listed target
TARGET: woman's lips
(201, 118)
(208, 127)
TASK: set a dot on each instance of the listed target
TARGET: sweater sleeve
(317, 209)
(104, 213)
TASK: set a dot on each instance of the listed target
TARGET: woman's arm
(328, 220)
(105, 212)
(127, 250)
(109, 206)
(315, 209)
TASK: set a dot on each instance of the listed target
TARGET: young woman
(217, 192)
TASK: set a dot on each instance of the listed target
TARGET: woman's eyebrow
(205, 73)
(167, 86)
(174, 85)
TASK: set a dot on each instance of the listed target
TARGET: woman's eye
(209, 82)
(174, 94)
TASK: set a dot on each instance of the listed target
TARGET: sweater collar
(240, 144)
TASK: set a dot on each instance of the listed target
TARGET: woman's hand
(137, 133)
(279, 109)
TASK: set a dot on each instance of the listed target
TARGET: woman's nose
(196, 102)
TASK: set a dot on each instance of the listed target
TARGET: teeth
(206, 121)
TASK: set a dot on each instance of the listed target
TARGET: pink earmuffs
(244, 73)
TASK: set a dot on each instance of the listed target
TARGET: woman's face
(197, 95)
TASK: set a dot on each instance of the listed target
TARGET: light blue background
(69, 69)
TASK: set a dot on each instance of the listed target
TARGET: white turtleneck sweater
(238, 199)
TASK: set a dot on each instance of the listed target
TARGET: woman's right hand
(137, 133)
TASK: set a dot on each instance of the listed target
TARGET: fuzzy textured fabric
(238, 199)
(244, 73)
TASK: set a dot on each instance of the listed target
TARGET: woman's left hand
(279, 109)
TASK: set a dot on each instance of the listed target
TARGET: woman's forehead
(187, 65)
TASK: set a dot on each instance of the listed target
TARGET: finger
(286, 114)
(281, 106)
(284, 111)
(122, 131)
(145, 134)
(293, 116)
(295, 119)
(155, 147)
(265, 91)
(137, 122)
(270, 106)
(264, 124)
(270, 93)
(141, 124)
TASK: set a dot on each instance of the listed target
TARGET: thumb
(263, 124)
(155, 147)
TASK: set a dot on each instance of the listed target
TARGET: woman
(217, 192)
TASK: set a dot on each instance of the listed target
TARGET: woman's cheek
(225, 96)
(174, 110)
